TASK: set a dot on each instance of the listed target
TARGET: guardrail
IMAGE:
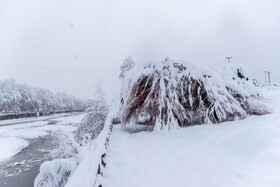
(33, 114)
(92, 165)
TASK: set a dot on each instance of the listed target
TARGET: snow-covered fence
(33, 114)
(93, 159)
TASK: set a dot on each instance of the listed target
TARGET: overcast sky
(69, 45)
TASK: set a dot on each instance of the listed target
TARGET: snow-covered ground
(238, 153)
(10, 146)
(13, 138)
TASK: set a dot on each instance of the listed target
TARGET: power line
(60, 69)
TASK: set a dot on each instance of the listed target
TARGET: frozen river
(24, 146)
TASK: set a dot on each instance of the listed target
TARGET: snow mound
(172, 94)
(55, 173)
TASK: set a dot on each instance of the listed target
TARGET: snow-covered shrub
(93, 123)
(170, 94)
(63, 161)
(55, 173)
(90, 127)
(66, 146)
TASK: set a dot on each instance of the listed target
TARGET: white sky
(78, 43)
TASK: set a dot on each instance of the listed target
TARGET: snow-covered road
(238, 153)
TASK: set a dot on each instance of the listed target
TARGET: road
(22, 168)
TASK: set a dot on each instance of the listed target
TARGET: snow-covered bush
(63, 161)
(93, 123)
(66, 145)
(20, 98)
(170, 94)
(55, 173)
(90, 127)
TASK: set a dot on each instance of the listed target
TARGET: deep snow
(238, 153)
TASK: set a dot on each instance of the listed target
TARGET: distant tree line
(21, 98)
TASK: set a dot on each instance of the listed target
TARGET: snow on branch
(172, 94)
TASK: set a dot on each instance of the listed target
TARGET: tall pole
(228, 59)
(267, 76)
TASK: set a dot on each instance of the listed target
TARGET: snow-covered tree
(93, 123)
(127, 65)
(170, 94)
(19, 98)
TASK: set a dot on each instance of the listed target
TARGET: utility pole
(228, 59)
(267, 76)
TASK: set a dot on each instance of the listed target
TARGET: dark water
(22, 169)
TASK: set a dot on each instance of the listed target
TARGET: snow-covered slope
(237, 153)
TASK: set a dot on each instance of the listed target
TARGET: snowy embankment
(91, 165)
(11, 146)
(236, 153)
(14, 138)
(87, 163)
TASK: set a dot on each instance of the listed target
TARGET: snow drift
(172, 94)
